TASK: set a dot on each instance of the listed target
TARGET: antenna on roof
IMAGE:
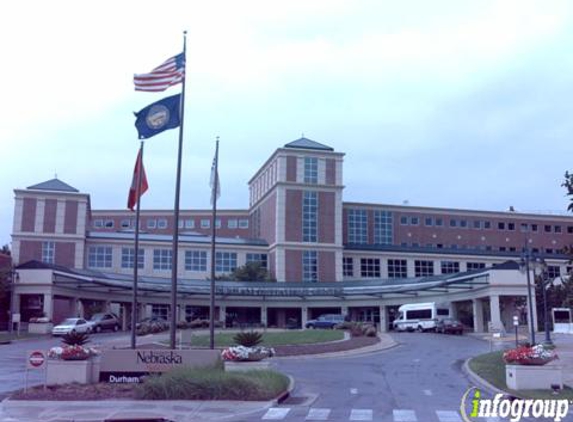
(55, 174)
(302, 135)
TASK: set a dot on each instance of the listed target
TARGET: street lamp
(14, 276)
(524, 265)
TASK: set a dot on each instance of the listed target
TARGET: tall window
(309, 266)
(259, 258)
(397, 268)
(450, 267)
(161, 311)
(357, 226)
(162, 259)
(348, 267)
(553, 271)
(128, 258)
(311, 170)
(99, 257)
(48, 252)
(370, 267)
(475, 266)
(310, 217)
(383, 228)
(225, 262)
(196, 261)
(423, 268)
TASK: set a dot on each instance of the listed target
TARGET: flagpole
(215, 190)
(174, 250)
(136, 252)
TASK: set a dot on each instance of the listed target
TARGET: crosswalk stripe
(317, 414)
(276, 413)
(361, 415)
(404, 415)
(448, 416)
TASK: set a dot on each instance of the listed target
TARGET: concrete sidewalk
(564, 343)
(92, 411)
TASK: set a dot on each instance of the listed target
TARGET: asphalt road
(13, 359)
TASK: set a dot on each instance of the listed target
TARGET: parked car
(153, 321)
(449, 326)
(72, 325)
(104, 321)
(325, 321)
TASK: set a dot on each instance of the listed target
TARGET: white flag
(214, 181)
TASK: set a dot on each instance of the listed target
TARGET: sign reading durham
(128, 366)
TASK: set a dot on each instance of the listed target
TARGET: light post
(544, 283)
(524, 264)
(13, 277)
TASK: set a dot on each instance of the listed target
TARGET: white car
(69, 325)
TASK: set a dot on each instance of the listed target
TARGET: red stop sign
(36, 359)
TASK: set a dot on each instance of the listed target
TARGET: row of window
(481, 224)
(195, 260)
(162, 223)
(548, 251)
(358, 227)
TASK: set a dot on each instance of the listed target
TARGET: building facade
(299, 228)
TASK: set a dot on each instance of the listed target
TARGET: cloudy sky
(462, 104)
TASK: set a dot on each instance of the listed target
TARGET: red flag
(133, 196)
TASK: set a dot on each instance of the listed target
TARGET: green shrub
(74, 338)
(248, 338)
(213, 383)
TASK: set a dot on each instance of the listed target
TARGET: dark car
(325, 321)
(104, 321)
(449, 326)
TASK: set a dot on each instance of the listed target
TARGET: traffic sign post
(35, 359)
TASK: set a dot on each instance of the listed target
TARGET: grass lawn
(6, 336)
(491, 368)
(274, 338)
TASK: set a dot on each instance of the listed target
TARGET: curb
(285, 394)
(479, 381)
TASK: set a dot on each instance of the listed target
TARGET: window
(534, 227)
(383, 228)
(125, 223)
(311, 170)
(502, 249)
(414, 221)
(225, 262)
(453, 223)
(429, 221)
(404, 220)
(151, 223)
(98, 224)
(547, 228)
(162, 223)
(160, 311)
(549, 251)
(196, 261)
(569, 229)
(501, 225)
(424, 268)
(370, 267)
(48, 252)
(439, 222)
(464, 224)
(99, 257)
(397, 268)
(557, 229)
(450, 267)
(243, 223)
(162, 259)
(309, 266)
(189, 224)
(218, 223)
(348, 267)
(475, 266)
(524, 227)
(553, 271)
(205, 223)
(109, 224)
(128, 258)
(477, 224)
(511, 226)
(259, 258)
(310, 216)
(232, 223)
(357, 226)
(487, 225)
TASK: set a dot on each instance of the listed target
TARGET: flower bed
(247, 354)
(74, 352)
(537, 355)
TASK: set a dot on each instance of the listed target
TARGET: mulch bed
(105, 391)
(337, 346)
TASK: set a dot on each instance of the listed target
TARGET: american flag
(167, 74)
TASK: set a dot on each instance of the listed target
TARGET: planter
(246, 365)
(40, 327)
(533, 377)
(68, 371)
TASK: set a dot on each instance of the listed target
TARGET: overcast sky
(464, 104)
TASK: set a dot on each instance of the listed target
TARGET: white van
(420, 316)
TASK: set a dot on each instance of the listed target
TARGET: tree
(5, 273)
(251, 271)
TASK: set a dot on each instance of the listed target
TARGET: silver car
(71, 325)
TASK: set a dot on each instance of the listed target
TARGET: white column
(478, 315)
(222, 314)
(48, 306)
(383, 322)
(304, 316)
(264, 315)
(494, 309)
(60, 214)
(80, 308)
